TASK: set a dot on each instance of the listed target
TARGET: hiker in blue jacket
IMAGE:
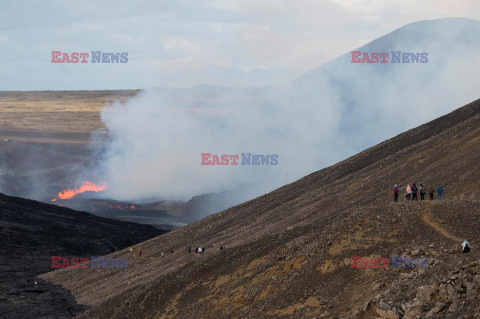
(414, 192)
(439, 192)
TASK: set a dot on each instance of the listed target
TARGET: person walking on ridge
(465, 247)
(409, 192)
(414, 192)
(431, 193)
(439, 192)
(395, 193)
(422, 192)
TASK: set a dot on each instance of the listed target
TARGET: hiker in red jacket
(395, 193)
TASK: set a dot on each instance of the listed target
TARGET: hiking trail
(428, 219)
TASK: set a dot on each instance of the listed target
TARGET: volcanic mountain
(31, 232)
(288, 254)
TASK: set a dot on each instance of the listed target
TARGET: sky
(179, 43)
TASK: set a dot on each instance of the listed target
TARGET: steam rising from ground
(155, 139)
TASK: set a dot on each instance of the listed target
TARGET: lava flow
(86, 187)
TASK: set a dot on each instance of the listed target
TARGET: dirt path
(428, 218)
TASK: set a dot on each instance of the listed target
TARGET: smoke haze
(332, 112)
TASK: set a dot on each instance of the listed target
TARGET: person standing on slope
(431, 193)
(422, 192)
(439, 192)
(414, 192)
(465, 246)
(395, 193)
(409, 192)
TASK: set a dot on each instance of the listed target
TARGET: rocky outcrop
(456, 296)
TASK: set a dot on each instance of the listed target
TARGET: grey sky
(185, 43)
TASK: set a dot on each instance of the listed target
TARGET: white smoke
(155, 145)
(156, 139)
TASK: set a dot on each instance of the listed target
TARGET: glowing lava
(86, 187)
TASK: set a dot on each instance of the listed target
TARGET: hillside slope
(31, 232)
(288, 253)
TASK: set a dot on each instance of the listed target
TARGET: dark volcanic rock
(31, 232)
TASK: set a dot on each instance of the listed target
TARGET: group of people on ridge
(163, 253)
(412, 192)
(196, 250)
(200, 250)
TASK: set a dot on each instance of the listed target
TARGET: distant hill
(31, 232)
(288, 253)
(393, 97)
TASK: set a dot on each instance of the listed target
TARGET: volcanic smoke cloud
(155, 139)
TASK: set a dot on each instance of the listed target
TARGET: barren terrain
(288, 253)
(54, 112)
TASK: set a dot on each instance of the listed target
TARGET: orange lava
(86, 187)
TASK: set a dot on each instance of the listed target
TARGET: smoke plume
(332, 112)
